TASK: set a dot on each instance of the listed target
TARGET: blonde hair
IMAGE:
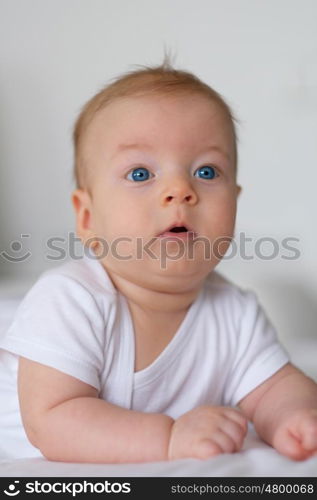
(157, 80)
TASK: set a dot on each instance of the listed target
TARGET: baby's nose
(179, 192)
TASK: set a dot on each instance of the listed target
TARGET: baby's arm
(64, 418)
(284, 412)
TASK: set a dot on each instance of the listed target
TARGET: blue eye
(139, 174)
(206, 172)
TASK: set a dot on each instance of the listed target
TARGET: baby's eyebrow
(134, 145)
(213, 147)
(131, 146)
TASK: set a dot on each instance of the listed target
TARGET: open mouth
(177, 232)
(178, 229)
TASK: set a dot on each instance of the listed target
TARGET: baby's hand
(296, 437)
(207, 431)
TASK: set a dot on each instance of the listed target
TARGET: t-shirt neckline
(173, 348)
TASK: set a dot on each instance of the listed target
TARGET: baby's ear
(81, 201)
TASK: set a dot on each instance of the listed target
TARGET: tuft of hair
(162, 80)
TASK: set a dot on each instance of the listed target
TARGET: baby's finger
(238, 417)
(224, 441)
(235, 431)
(308, 433)
(206, 448)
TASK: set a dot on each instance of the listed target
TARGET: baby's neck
(155, 301)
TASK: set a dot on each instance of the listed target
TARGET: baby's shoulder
(83, 280)
(223, 292)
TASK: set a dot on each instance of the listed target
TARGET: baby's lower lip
(183, 235)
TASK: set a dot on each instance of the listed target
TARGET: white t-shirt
(74, 320)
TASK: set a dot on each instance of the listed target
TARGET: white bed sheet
(255, 459)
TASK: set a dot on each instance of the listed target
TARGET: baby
(140, 351)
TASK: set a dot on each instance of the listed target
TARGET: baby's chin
(170, 284)
(168, 276)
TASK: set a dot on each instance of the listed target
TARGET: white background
(260, 55)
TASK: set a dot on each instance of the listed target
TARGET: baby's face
(157, 162)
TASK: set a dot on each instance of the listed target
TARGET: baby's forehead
(141, 111)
